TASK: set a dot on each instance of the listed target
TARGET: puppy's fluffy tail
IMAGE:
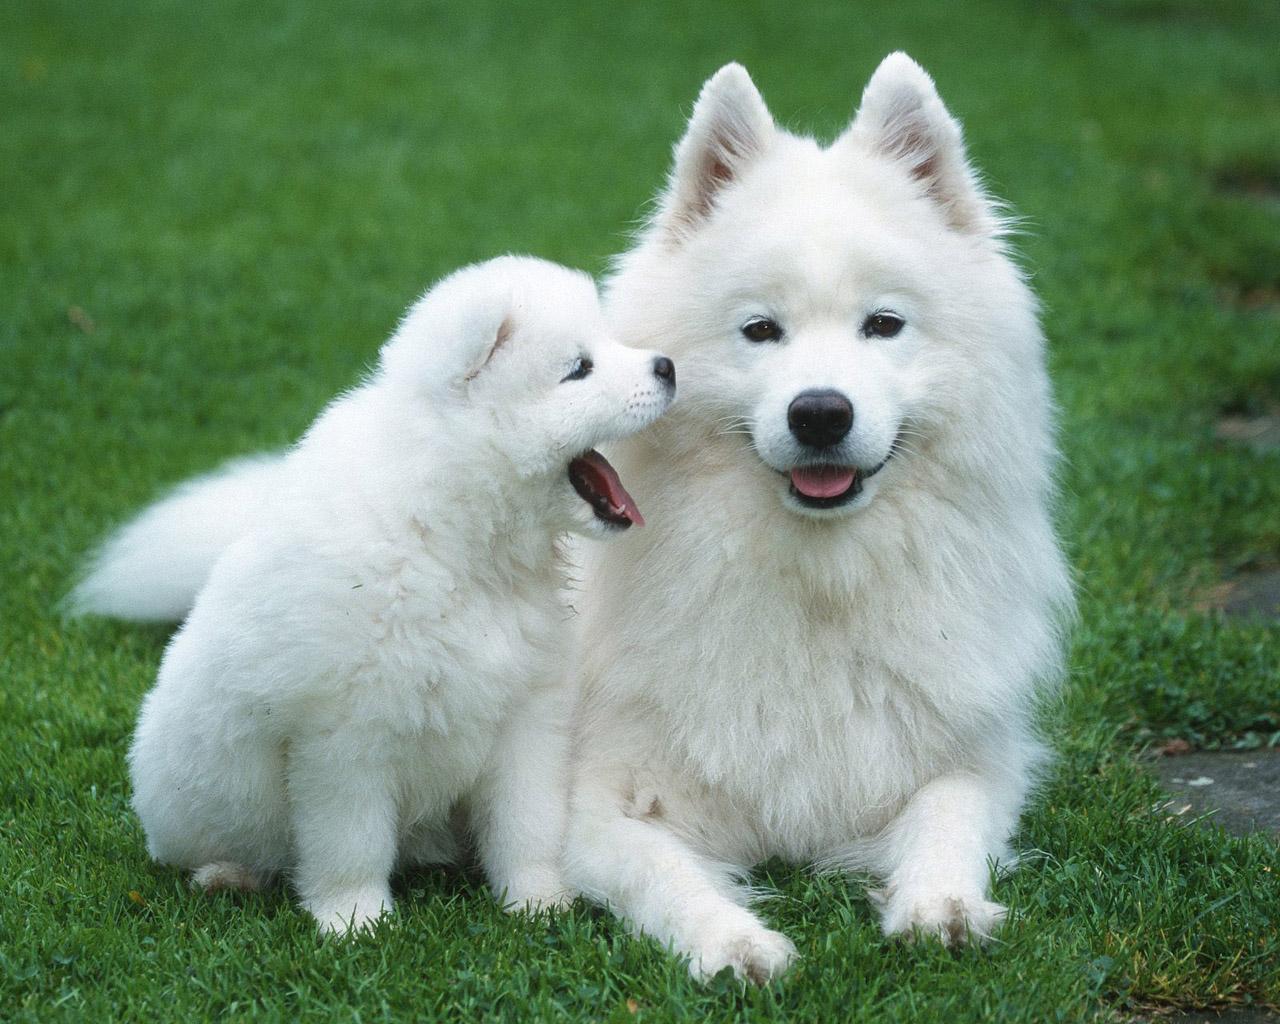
(152, 568)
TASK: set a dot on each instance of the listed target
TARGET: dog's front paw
(350, 912)
(753, 952)
(536, 892)
(952, 919)
(538, 903)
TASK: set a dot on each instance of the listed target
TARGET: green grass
(242, 197)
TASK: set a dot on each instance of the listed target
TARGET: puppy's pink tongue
(822, 481)
(597, 482)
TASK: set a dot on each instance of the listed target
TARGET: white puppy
(381, 639)
(828, 647)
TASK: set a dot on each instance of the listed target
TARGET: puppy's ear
(730, 128)
(491, 341)
(902, 117)
(452, 334)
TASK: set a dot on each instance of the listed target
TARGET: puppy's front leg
(937, 854)
(518, 808)
(342, 804)
(666, 889)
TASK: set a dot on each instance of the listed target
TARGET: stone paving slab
(1260, 433)
(1255, 595)
(1240, 1016)
(1241, 790)
(1248, 595)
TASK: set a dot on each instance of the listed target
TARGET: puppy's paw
(753, 952)
(954, 920)
(350, 912)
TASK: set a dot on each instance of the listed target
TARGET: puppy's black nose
(665, 370)
(820, 418)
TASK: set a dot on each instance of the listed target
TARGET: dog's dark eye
(581, 367)
(883, 324)
(761, 328)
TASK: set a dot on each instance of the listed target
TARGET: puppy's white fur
(382, 635)
(853, 686)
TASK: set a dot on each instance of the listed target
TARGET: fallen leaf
(137, 897)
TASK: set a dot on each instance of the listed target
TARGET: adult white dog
(828, 645)
(380, 638)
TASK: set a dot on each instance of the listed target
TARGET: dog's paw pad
(953, 920)
(758, 955)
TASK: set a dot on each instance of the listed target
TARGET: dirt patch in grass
(1256, 180)
(1241, 226)
(1166, 14)
(1251, 298)
(1255, 300)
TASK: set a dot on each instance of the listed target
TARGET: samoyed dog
(380, 633)
(828, 646)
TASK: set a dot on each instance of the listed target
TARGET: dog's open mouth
(598, 485)
(823, 486)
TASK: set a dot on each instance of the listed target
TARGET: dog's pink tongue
(600, 479)
(822, 481)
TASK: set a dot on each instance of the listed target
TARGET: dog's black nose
(665, 370)
(820, 418)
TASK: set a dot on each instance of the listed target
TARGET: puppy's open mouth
(598, 485)
(822, 486)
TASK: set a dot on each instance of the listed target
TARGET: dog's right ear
(730, 127)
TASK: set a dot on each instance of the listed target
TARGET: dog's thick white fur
(382, 631)
(847, 680)
(775, 669)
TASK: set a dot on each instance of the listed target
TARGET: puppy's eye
(761, 328)
(581, 367)
(882, 324)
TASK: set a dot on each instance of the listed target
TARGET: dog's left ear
(902, 117)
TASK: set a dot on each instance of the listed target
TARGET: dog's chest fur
(810, 741)
(792, 691)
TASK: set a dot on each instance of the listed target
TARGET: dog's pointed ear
(902, 117)
(730, 127)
